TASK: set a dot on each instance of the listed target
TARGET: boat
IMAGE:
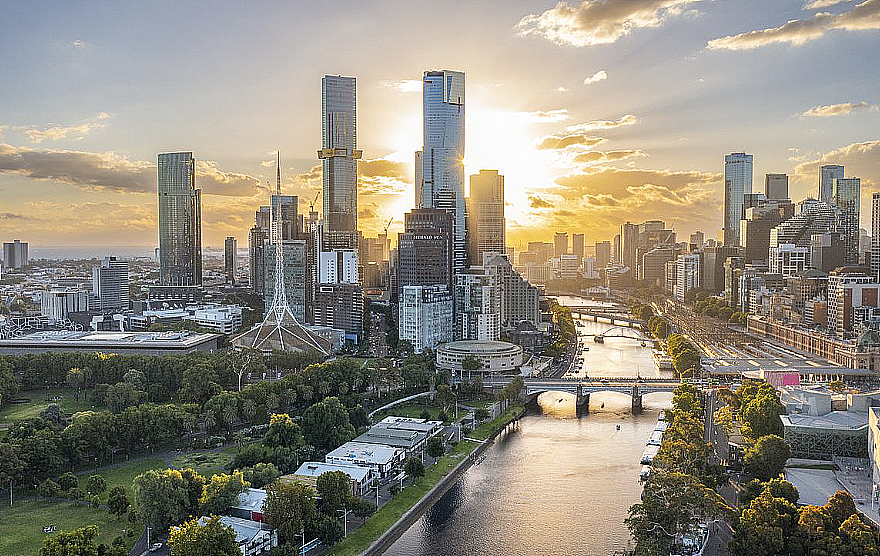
(644, 473)
(586, 348)
(644, 344)
(618, 427)
(649, 454)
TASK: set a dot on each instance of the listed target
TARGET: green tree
(761, 416)
(80, 542)
(222, 491)
(195, 538)
(117, 501)
(11, 465)
(362, 508)
(325, 425)
(122, 395)
(198, 384)
(161, 498)
(470, 364)
(67, 481)
(414, 469)
(283, 432)
(289, 507)
(435, 447)
(444, 396)
(261, 474)
(334, 490)
(840, 506)
(76, 379)
(49, 489)
(96, 484)
(76, 494)
(481, 414)
(765, 527)
(766, 459)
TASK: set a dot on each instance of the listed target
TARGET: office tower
(568, 266)
(775, 186)
(519, 299)
(754, 231)
(653, 265)
(15, 254)
(440, 171)
(615, 249)
(341, 306)
(230, 246)
(257, 238)
(424, 249)
(847, 194)
(339, 157)
(828, 251)
(875, 236)
(827, 174)
(485, 215)
(425, 317)
(110, 284)
(629, 240)
(788, 259)
(180, 221)
(697, 239)
(58, 303)
(712, 259)
(811, 217)
(852, 299)
(339, 266)
(560, 244)
(577, 245)
(603, 254)
(477, 300)
(733, 267)
(542, 251)
(737, 182)
(688, 274)
(295, 276)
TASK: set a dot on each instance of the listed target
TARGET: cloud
(593, 22)
(11, 216)
(818, 4)
(613, 181)
(538, 203)
(859, 160)
(112, 172)
(594, 157)
(380, 176)
(628, 119)
(561, 89)
(544, 116)
(570, 140)
(76, 132)
(77, 43)
(864, 16)
(828, 110)
(600, 75)
(404, 85)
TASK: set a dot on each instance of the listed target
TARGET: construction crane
(312, 204)
(390, 220)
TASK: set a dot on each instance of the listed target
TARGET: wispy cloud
(819, 4)
(559, 142)
(404, 85)
(74, 132)
(597, 157)
(864, 16)
(559, 89)
(842, 109)
(593, 22)
(77, 43)
(593, 125)
(600, 75)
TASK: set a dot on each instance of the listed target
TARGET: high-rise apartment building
(827, 251)
(180, 221)
(339, 266)
(754, 231)
(477, 299)
(340, 306)
(603, 254)
(629, 240)
(847, 194)
(697, 239)
(737, 182)
(15, 255)
(789, 260)
(257, 239)
(827, 174)
(852, 299)
(875, 236)
(776, 186)
(296, 280)
(485, 215)
(560, 244)
(425, 317)
(230, 249)
(424, 249)
(339, 157)
(439, 167)
(653, 264)
(57, 303)
(811, 217)
(577, 245)
(688, 274)
(110, 284)
(519, 299)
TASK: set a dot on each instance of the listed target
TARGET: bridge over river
(583, 388)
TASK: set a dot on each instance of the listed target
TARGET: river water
(555, 484)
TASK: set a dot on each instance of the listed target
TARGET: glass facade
(440, 178)
(339, 156)
(180, 221)
(827, 174)
(737, 182)
(847, 192)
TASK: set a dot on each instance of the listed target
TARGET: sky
(595, 111)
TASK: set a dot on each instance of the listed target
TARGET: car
(155, 546)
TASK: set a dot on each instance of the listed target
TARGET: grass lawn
(14, 411)
(413, 410)
(388, 515)
(22, 525)
(205, 463)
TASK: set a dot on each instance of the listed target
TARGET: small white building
(382, 459)
(361, 477)
(251, 537)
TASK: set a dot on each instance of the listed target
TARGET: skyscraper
(15, 254)
(110, 284)
(847, 193)
(440, 173)
(560, 244)
(339, 157)
(230, 246)
(629, 239)
(775, 186)
(603, 253)
(737, 182)
(875, 236)
(424, 249)
(180, 221)
(827, 174)
(485, 215)
(577, 245)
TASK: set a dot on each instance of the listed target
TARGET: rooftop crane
(390, 220)
(312, 204)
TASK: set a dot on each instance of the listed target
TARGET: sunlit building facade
(180, 221)
(737, 182)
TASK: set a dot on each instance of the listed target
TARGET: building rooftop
(245, 529)
(251, 500)
(376, 453)
(477, 347)
(835, 420)
(316, 469)
(108, 338)
(409, 424)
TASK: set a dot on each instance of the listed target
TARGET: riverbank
(389, 522)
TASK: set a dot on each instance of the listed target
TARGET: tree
(222, 491)
(117, 501)
(481, 414)
(393, 489)
(95, 501)
(761, 416)
(122, 395)
(96, 484)
(840, 506)
(282, 432)
(76, 494)
(67, 481)
(136, 378)
(444, 396)
(54, 417)
(334, 490)
(470, 364)
(766, 459)
(435, 447)
(765, 526)
(76, 379)
(198, 538)
(362, 508)
(11, 465)
(80, 542)
(414, 469)
(161, 498)
(198, 384)
(261, 474)
(289, 507)
(325, 425)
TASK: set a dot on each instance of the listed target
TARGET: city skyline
(560, 107)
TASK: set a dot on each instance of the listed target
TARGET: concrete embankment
(394, 532)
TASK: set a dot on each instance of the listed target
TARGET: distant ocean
(85, 252)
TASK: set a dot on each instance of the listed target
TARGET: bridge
(615, 316)
(583, 388)
(621, 332)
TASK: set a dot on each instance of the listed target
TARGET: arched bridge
(612, 316)
(621, 332)
(583, 388)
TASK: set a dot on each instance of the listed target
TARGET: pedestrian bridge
(612, 316)
(583, 388)
(621, 332)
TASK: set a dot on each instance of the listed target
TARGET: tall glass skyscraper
(439, 167)
(737, 182)
(180, 221)
(485, 215)
(339, 156)
(827, 174)
(847, 193)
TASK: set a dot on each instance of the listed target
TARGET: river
(555, 484)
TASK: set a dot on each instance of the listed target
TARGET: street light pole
(344, 521)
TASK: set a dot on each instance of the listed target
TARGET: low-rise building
(382, 459)
(361, 477)
(251, 537)
(495, 356)
(122, 343)
(249, 505)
